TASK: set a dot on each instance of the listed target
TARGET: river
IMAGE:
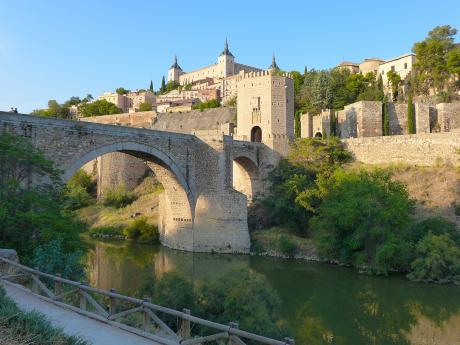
(322, 304)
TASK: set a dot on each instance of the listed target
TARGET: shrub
(141, 231)
(84, 180)
(110, 231)
(438, 260)
(363, 220)
(287, 246)
(213, 103)
(77, 198)
(51, 258)
(119, 197)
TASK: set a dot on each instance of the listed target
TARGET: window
(393, 68)
(405, 65)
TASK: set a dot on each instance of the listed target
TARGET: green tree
(297, 129)
(121, 91)
(410, 115)
(54, 110)
(99, 107)
(363, 220)
(163, 85)
(151, 86)
(386, 119)
(31, 214)
(394, 79)
(438, 260)
(145, 106)
(432, 57)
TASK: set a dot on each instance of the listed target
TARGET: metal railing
(134, 315)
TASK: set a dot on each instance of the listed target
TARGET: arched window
(256, 134)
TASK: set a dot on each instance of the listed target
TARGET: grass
(281, 242)
(29, 328)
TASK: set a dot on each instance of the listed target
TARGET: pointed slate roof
(273, 65)
(175, 64)
(226, 51)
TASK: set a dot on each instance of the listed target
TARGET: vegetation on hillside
(32, 216)
(213, 103)
(98, 107)
(356, 217)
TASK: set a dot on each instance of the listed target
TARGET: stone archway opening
(175, 202)
(318, 135)
(247, 178)
(256, 134)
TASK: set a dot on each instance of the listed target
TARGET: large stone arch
(247, 178)
(177, 202)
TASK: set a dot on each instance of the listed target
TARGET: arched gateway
(199, 209)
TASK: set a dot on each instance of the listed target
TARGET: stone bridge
(208, 180)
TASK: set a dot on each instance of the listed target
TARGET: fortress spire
(273, 66)
(175, 64)
(226, 51)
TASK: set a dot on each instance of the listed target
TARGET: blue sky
(58, 49)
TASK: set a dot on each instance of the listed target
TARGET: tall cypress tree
(297, 124)
(410, 115)
(151, 85)
(386, 120)
(163, 84)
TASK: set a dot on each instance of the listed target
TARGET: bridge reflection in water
(323, 304)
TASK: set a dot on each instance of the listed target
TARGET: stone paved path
(95, 332)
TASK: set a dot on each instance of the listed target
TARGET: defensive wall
(425, 149)
(365, 119)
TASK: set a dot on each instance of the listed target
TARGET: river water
(322, 304)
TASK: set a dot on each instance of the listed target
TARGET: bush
(438, 260)
(141, 231)
(213, 103)
(119, 197)
(363, 221)
(33, 327)
(287, 246)
(109, 231)
(50, 258)
(77, 198)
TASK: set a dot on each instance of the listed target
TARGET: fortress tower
(226, 61)
(174, 71)
(266, 109)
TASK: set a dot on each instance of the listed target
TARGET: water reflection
(323, 304)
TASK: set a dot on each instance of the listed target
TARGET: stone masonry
(200, 210)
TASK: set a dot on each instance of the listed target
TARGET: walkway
(95, 332)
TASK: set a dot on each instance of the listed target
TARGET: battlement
(264, 73)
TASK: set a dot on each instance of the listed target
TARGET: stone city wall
(418, 149)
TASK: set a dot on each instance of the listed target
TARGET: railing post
(233, 325)
(82, 297)
(35, 288)
(184, 330)
(113, 303)
(289, 341)
(57, 286)
(146, 323)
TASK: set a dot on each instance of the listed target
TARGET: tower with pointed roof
(226, 61)
(273, 66)
(174, 71)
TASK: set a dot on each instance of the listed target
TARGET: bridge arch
(247, 178)
(177, 202)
